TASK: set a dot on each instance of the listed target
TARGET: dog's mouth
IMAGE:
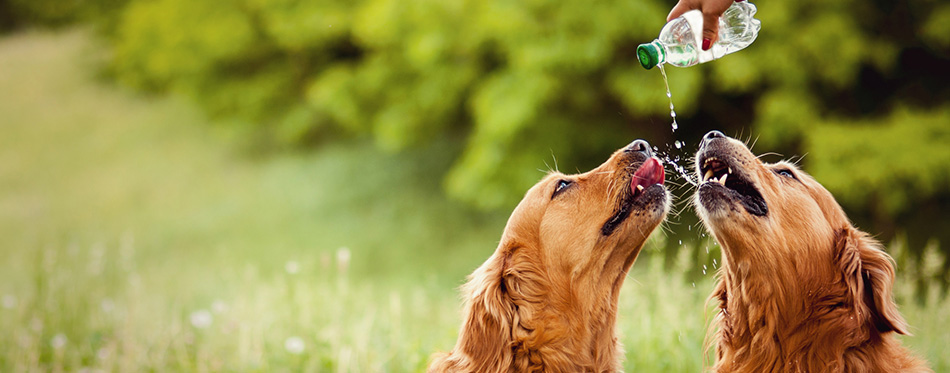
(649, 173)
(646, 185)
(721, 172)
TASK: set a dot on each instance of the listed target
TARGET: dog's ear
(485, 338)
(869, 273)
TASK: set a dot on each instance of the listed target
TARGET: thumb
(710, 29)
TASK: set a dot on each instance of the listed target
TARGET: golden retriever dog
(546, 300)
(800, 288)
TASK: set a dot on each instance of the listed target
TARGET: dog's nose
(713, 135)
(639, 146)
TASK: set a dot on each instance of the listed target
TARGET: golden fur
(800, 288)
(546, 300)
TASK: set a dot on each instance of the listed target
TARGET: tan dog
(546, 300)
(800, 288)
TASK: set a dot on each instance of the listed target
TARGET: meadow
(140, 235)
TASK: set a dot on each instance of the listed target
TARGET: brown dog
(800, 288)
(546, 300)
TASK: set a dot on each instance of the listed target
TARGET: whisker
(800, 158)
(769, 153)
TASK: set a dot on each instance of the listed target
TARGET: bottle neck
(660, 52)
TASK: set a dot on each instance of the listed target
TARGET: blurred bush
(859, 86)
(54, 13)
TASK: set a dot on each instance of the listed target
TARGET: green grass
(126, 221)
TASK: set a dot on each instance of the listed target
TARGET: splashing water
(680, 170)
(673, 161)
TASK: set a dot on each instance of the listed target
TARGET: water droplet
(678, 144)
(675, 126)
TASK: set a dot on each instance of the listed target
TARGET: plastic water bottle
(680, 40)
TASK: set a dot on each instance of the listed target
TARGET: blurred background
(290, 185)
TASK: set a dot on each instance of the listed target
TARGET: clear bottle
(680, 40)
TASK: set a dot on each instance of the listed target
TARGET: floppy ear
(485, 339)
(869, 272)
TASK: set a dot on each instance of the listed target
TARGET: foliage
(518, 81)
(524, 79)
(56, 13)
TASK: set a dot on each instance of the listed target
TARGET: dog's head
(779, 219)
(595, 220)
(748, 203)
(553, 281)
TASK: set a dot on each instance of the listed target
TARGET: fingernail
(739, 1)
(706, 44)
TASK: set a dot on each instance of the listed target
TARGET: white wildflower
(9, 301)
(201, 319)
(343, 258)
(294, 345)
(107, 305)
(292, 267)
(58, 341)
(218, 306)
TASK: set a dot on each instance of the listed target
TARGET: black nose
(712, 135)
(639, 146)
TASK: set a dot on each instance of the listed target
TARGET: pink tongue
(651, 172)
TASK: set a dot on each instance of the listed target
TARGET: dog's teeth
(723, 179)
(709, 175)
(640, 188)
(730, 170)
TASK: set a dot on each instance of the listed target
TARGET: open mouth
(649, 174)
(718, 172)
(646, 181)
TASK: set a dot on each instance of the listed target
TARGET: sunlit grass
(137, 236)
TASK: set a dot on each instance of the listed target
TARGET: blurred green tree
(861, 87)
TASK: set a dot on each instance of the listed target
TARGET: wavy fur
(546, 300)
(800, 289)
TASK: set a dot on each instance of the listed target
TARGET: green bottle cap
(649, 55)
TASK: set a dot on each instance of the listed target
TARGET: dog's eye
(786, 172)
(561, 186)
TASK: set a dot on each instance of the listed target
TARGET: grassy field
(139, 235)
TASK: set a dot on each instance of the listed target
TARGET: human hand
(712, 10)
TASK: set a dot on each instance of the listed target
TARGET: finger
(681, 7)
(710, 29)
